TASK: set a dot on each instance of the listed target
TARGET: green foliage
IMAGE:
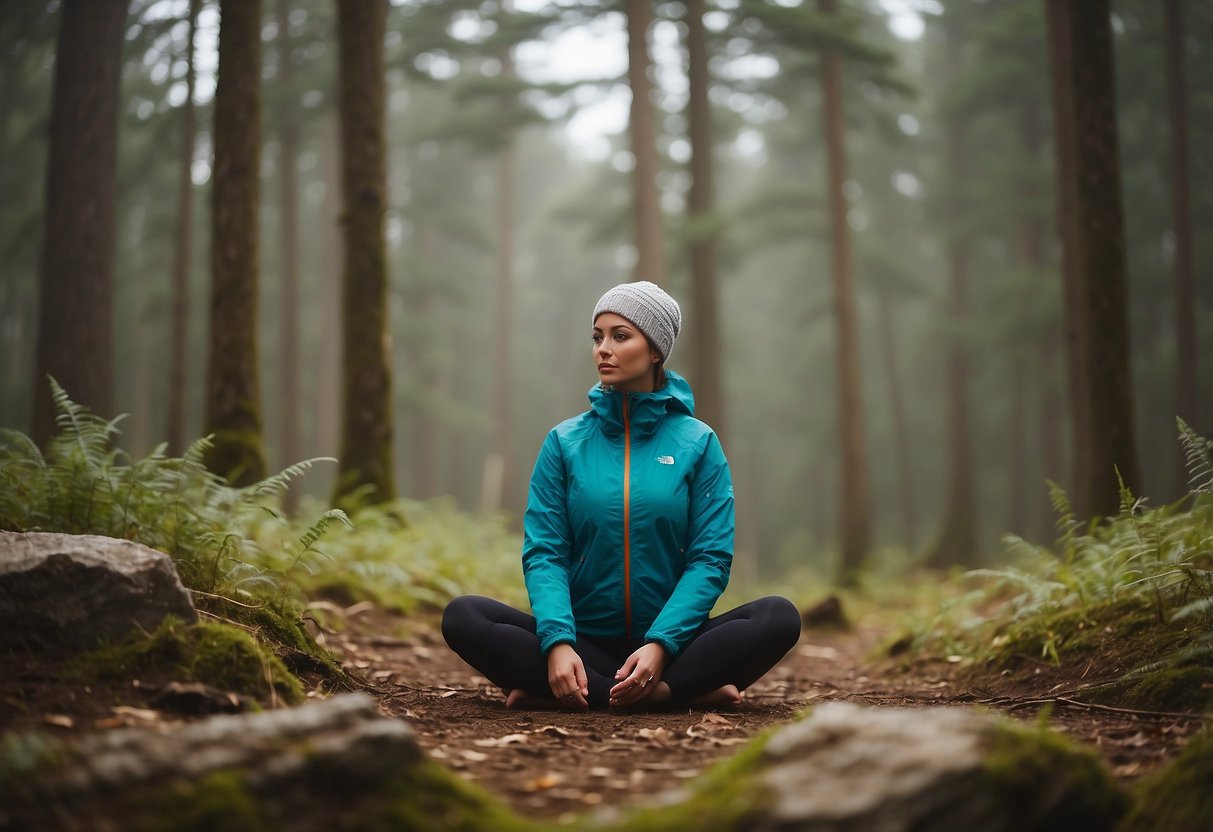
(1147, 568)
(408, 555)
(1177, 796)
(213, 653)
(83, 484)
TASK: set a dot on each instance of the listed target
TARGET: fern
(1198, 455)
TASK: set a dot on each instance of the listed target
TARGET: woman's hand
(639, 675)
(566, 677)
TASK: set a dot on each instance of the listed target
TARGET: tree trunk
(709, 393)
(331, 257)
(854, 524)
(901, 432)
(1099, 237)
(650, 258)
(957, 542)
(288, 217)
(75, 343)
(427, 437)
(233, 392)
(1058, 17)
(499, 464)
(1186, 381)
(366, 434)
(180, 293)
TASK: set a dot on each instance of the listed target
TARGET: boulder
(847, 768)
(71, 592)
(291, 768)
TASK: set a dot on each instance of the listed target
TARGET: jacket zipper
(627, 519)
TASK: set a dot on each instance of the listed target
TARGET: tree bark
(901, 432)
(499, 466)
(650, 257)
(855, 523)
(957, 541)
(366, 435)
(701, 205)
(75, 342)
(288, 217)
(331, 257)
(1060, 25)
(1186, 380)
(180, 292)
(233, 391)
(1099, 237)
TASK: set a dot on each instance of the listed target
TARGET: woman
(628, 544)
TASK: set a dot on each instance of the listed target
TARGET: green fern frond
(1198, 457)
(279, 482)
(317, 529)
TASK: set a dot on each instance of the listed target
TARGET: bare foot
(726, 696)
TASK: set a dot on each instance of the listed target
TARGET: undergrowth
(1153, 564)
(242, 558)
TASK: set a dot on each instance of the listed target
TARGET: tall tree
(855, 522)
(1088, 164)
(179, 303)
(650, 256)
(233, 406)
(701, 221)
(76, 294)
(288, 237)
(1186, 381)
(957, 541)
(366, 429)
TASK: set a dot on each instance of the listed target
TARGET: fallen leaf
(383, 674)
(144, 714)
(658, 735)
(813, 651)
(600, 771)
(554, 729)
(448, 694)
(547, 781)
(500, 742)
(473, 756)
(60, 720)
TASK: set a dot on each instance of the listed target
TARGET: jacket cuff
(670, 647)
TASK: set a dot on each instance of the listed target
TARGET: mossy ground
(1047, 783)
(1101, 654)
(1179, 796)
(220, 655)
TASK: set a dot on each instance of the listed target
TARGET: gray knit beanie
(649, 307)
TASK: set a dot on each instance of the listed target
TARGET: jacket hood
(645, 410)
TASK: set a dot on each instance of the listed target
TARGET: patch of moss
(1187, 688)
(286, 635)
(724, 799)
(429, 798)
(220, 800)
(1050, 785)
(1177, 797)
(213, 653)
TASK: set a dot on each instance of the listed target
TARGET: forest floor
(552, 764)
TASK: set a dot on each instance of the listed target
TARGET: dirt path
(552, 764)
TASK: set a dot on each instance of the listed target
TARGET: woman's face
(622, 355)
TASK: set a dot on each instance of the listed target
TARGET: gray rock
(60, 591)
(295, 764)
(847, 768)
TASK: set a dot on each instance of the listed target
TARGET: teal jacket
(629, 522)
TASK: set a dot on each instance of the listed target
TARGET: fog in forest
(510, 209)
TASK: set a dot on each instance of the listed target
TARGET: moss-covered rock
(1178, 797)
(847, 768)
(216, 654)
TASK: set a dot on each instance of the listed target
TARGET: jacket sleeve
(547, 547)
(709, 553)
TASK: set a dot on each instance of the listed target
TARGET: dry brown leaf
(60, 720)
(143, 714)
(473, 756)
(500, 742)
(547, 781)
(449, 693)
(554, 729)
(659, 735)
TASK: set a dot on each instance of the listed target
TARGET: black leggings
(736, 647)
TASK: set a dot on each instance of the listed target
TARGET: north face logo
(666, 460)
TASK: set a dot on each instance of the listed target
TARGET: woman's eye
(621, 336)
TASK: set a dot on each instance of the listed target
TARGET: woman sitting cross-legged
(628, 542)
